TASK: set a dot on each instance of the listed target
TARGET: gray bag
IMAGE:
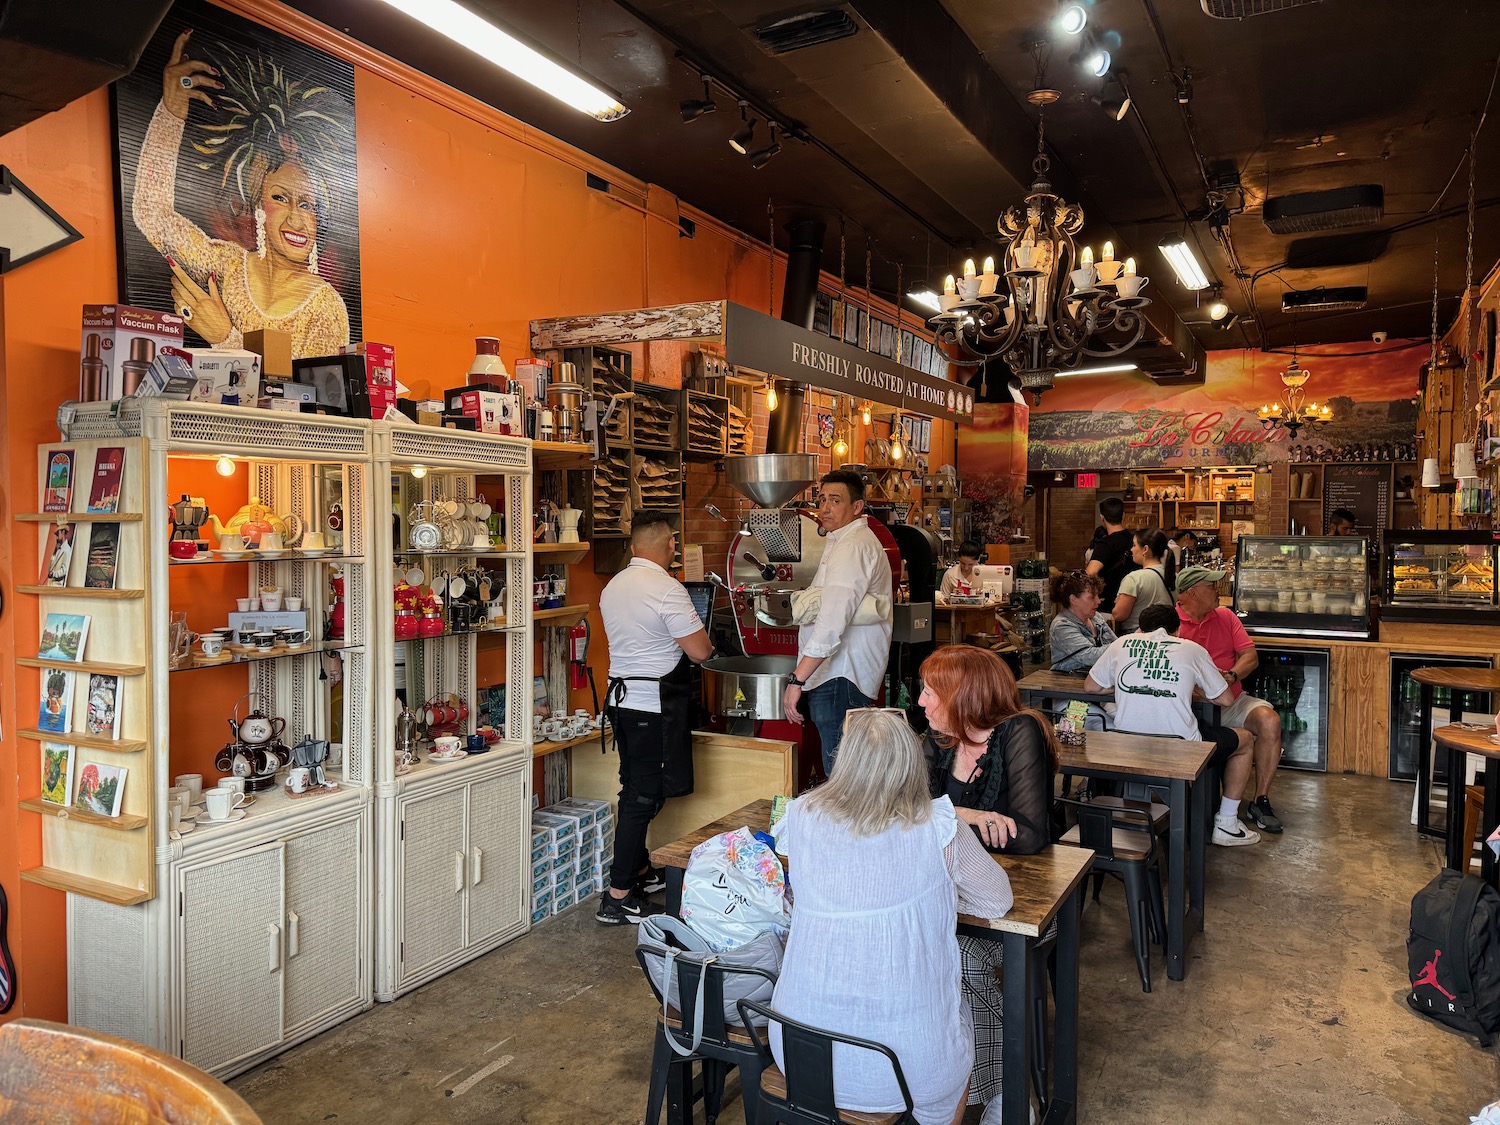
(674, 938)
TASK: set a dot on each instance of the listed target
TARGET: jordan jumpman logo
(1429, 975)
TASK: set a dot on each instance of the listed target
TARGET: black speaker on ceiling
(1243, 9)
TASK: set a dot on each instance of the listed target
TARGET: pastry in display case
(1440, 576)
(1300, 585)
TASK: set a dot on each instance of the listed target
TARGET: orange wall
(470, 224)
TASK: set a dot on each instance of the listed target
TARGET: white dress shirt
(645, 612)
(854, 564)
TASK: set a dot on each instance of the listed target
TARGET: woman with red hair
(994, 759)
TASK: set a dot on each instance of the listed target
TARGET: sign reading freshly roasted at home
(762, 343)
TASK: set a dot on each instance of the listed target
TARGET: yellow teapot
(254, 520)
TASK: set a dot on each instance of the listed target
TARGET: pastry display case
(1440, 576)
(1312, 586)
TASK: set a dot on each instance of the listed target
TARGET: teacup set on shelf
(190, 806)
(450, 525)
(565, 728)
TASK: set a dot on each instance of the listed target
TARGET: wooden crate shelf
(563, 615)
(125, 822)
(91, 742)
(83, 885)
(560, 455)
(79, 517)
(559, 554)
(83, 666)
(80, 592)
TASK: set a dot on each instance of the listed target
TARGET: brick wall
(1070, 525)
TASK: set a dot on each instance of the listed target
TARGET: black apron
(676, 689)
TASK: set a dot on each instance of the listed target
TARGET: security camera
(1379, 337)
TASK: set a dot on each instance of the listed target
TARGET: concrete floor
(1292, 1008)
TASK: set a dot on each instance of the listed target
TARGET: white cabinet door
(497, 834)
(230, 912)
(324, 889)
(434, 877)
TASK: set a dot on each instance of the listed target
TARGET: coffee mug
(297, 779)
(264, 642)
(235, 783)
(270, 598)
(192, 782)
(211, 643)
(553, 730)
(335, 755)
(295, 637)
(183, 549)
(245, 605)
(231, 543)
(313, 541)
(293, 604)
(476, 743)
(222, 802)
(271, 541)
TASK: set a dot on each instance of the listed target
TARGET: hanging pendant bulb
(772, 402)
(866, 415)
(896, 451)
(841, 447)
(225, 466)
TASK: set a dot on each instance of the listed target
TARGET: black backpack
(1453, 953)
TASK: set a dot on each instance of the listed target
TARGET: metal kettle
(406, 734)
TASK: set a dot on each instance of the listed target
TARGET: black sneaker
(618, 911)
(1259, 813)
(651, 880)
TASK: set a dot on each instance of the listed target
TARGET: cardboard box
(591, 811)
(379, 374)
(119, 345)
(491, 406)
(561, 902)
(541, 883)
(228, 376)
(274, 349)
(533, 375)
(169, 376)
(339, 382)
(566, 827)
(268, 619)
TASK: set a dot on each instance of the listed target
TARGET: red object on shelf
(406, 625)
(431, 625)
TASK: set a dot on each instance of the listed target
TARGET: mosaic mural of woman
(281, 152)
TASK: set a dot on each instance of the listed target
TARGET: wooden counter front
(728, 770)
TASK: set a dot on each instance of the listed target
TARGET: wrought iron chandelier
(1054, 300)
(1291, 412)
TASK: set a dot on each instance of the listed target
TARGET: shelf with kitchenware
(245, 861)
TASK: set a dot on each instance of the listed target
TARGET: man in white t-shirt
(1154, 674)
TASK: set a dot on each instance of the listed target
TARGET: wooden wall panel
(1362, 739)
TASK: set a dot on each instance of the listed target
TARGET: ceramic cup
(174, 815)
(235, 783)
(335, 755)
(293, 604)
(182, 549)
(446, 743)
(296, 779)
(244, 605)
(192, 782)
(314, 541)
(231, 543)
(295, 637)
(270, 598)
(224, 633)
(211, 643)
(271, 541)
(265, 642)
(180, 796)
(476, 743)
(222, 802)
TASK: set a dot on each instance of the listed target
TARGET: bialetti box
(118, 347)
(227, 376)
(380, 374)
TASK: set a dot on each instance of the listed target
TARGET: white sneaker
(991, 1114)
(1232, 834)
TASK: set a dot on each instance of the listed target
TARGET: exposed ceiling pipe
(799, 290)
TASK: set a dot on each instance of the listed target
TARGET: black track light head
(762, 157)
(743, 136)
(692, 110)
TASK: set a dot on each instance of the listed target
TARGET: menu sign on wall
(774, 347)
(1364, 490)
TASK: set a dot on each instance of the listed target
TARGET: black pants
(638, 736)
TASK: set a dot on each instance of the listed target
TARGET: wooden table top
(1061, 683)
(1143, 755)
(1465, 679)
(1474, 741)
(1040, 882)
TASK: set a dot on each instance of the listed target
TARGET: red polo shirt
(1222, 634)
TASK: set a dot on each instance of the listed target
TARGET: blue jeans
(827, 703)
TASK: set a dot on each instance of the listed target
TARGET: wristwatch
(1234, 677)
(794, 681)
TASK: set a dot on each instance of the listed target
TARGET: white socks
(1228, 810)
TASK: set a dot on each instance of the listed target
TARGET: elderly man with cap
(1218, 629)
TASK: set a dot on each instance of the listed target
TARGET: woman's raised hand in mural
(203, 309)
(186, 79)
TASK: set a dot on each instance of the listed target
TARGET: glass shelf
(274, 654)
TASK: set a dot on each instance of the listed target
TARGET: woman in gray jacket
(1079, 633)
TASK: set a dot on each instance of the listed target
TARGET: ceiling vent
(810, 29)
(1324, 210)
(1243, 9)
(1333, 250)
(1323, 300)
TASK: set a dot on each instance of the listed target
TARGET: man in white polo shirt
(655, 637)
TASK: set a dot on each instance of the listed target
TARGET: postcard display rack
(454, 839)
(283, 897)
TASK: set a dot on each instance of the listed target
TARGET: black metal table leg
(1015, 1011)
(1424, 765)
(674, 890)
(1062, 1106)
(1177, 879)
(1203, 797)
(1489, 819)
(1457, 847)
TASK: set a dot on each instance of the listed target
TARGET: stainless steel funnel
(771, 479)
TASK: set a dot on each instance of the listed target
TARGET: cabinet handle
(476, 866)
(293, 934)
(273, 946)
(458, 872)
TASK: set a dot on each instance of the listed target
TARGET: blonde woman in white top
(1149, 586)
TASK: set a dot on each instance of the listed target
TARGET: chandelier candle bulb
(1087, 257)
(988, 280)
(950, 293)
(1129, 267)
(969, 267)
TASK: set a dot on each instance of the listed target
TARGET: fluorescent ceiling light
(509, 52)
(1190, 273)
(1103, 369)
(926, 298)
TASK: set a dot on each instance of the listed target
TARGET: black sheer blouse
(1013, 778)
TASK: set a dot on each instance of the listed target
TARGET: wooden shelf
(274, 654)
(561, 455)
(83, 666)
(79, 517)
(125, 822)
(562, 616)
(542, 749)
(560, 554)
(83, 885)
(80, 592)
(92, 742)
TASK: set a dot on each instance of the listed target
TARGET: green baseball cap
(1193, 575)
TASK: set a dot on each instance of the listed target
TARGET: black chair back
(713, 974)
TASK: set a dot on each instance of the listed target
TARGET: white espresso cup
(270, 598)
(231, 543)
(235, 783)
(222, 802)
(313, 541)
(174, 815)
(193, 782)
(293, 604)
(271, 541)
(181, 796)
(212, 644)
(296, 779)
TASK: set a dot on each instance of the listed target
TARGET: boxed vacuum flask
(226, 376)
(119, 345)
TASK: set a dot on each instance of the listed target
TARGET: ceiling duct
(1324, 210)
(1243, 9)
(1334, 250)
(809, 29)
(1323, 300)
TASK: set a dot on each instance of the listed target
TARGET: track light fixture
(692, 110)
(1071, 19)
(740, 142)
(1113, 98)
(762, 157)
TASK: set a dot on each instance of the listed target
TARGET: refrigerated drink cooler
(1430, 802)
(1295, 682)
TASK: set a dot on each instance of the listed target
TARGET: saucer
(233, 556)
(182, 829)
(237, 814)
(314, 552)
(193, 812)
(455, 756)
(264, 554)
(205, 557)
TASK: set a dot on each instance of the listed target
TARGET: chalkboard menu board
(1363, 489)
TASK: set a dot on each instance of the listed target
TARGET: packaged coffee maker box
(119, 344)
(228, 376)
(380, 374)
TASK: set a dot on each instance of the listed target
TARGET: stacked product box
(596, 837)
(554, 863)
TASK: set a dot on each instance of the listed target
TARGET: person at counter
(655, 637)
(959, 578)
(1079, 633)
(1217, 628)
(1150, 585)
(840, 664)
(1111, 560)
(1341, 522)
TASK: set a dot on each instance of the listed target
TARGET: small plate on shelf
(456, 755)
(264, 554)
(233, 556)
(207, 822)
(314, 552)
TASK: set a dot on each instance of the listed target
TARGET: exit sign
(1088, 480)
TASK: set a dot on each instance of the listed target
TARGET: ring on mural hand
(187, 312)
(187, 82)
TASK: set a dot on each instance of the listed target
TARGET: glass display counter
(1311, 586)
(1440, 576)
